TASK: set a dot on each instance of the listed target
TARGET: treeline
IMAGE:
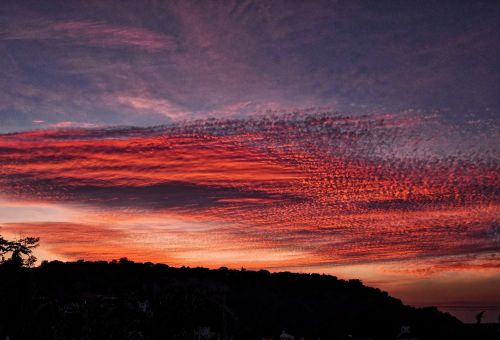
(127, 300)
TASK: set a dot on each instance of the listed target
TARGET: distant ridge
(127, 300)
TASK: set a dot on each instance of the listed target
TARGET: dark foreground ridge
(127, 300)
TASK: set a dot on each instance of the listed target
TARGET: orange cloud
(280, 191)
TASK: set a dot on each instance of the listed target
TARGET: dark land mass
(127, 300)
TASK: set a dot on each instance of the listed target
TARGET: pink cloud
(146, 104)
(94, 33)
(70, 124)
(109, 35)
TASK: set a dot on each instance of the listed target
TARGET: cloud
(81, 240)
(330, 188)
(92, 33)
(147, 105)
(68, 124)
(124, 64)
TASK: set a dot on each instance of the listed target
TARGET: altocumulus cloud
(331, 188)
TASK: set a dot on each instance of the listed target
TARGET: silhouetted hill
(127, 300)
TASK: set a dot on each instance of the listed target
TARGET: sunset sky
(354, 138)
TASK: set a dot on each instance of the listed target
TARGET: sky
(354, 138)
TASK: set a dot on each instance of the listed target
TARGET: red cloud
(324, 189)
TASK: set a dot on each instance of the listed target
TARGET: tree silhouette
(20, 251)
(479, 317)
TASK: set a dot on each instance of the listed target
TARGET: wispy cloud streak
(92, 33)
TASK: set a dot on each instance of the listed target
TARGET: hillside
(127, 300)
